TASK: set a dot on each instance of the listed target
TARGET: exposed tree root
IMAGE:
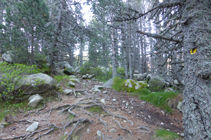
(123, 128)
(103, 122)
(36, 111)
(80, 120)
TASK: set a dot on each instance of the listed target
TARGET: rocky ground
(120, 117)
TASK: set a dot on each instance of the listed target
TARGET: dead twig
(103, 122)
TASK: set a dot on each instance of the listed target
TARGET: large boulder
(7, 56)
(156, 83)
(108, 84)
(132, 85)
(136, 71)
(35, 83)
(69, 71)
(140, 77)
(64, 65)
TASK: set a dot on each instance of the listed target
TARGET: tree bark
(197, 94)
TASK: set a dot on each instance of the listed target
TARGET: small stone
(99, 133)
(182, 134)
(66, 133)
(167, 129)
(104, 92)
(71, 84)
(129, 112)
(67, 91)
(162, 123)
(103, 101)
(127, 104)
(125, 121)
(171, 123)
(149, 116)
(131, 107)
(34, 100)
(88, 130)
(112, 130)
(123, 101)
(114, 100)
(32, 127)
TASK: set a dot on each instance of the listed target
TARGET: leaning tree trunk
(196, 19)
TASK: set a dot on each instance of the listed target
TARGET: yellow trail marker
(193, 51)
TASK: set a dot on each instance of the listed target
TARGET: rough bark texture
(197, 94)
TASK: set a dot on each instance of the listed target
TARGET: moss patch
(95, 109)
(159, 99)
(166, 135)
(127, 85)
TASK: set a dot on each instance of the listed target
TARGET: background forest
(168, 38)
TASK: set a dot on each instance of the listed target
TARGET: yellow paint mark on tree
(193, 51)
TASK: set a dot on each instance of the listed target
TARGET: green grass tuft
(60, 78)
(118, 83)
(159, 99)
(95, 109)
(166, 135)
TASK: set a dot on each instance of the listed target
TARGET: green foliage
(118, 83)
(11, 74)
(121, 72)
(166, 135)
(86, 68)
(95, 109)
(155, 85)
(158, 99)
(60, 78)
(140, 92)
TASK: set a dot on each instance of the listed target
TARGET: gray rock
(136, 72)
(7, 56)
(112, 130)
(84, 77)
(91, 76)
(75, 80)
(168, 90)
(68, 71)
(176, 82)
(64, 65)
(97, 88)
(148, 77)
(140, 77)
(179, 106)
(114, 100)
(104, 92)
(32, 127)
(103, 101)
(73, 76)
(99, 133)
(182, 134)
(108, 84)
(71, 84)
(67, 91)
(35, 83)
(34, 100)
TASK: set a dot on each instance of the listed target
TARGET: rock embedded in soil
(71, 84)
(67, 91)
(34, 100)
(112, 130)
(32, 127)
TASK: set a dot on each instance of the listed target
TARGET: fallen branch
(123, 128)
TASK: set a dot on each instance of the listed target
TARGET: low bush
(118, 83)
(10, 74)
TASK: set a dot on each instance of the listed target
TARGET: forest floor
(85, 117)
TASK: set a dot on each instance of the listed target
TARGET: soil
(138, 119)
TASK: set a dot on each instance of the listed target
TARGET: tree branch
(159, 36)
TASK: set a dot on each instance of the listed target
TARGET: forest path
(122, 117)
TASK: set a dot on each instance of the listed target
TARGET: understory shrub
(10, 74)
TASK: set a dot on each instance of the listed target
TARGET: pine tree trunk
(114, 52)
(130, 58)
(197, 94)
(124, 52)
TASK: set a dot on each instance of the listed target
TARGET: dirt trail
(123, 117)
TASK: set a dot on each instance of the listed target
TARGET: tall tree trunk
(130, 57)
(124, 51)
(114, 52)
(81, 53)
(142, 48)
(197, 93)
